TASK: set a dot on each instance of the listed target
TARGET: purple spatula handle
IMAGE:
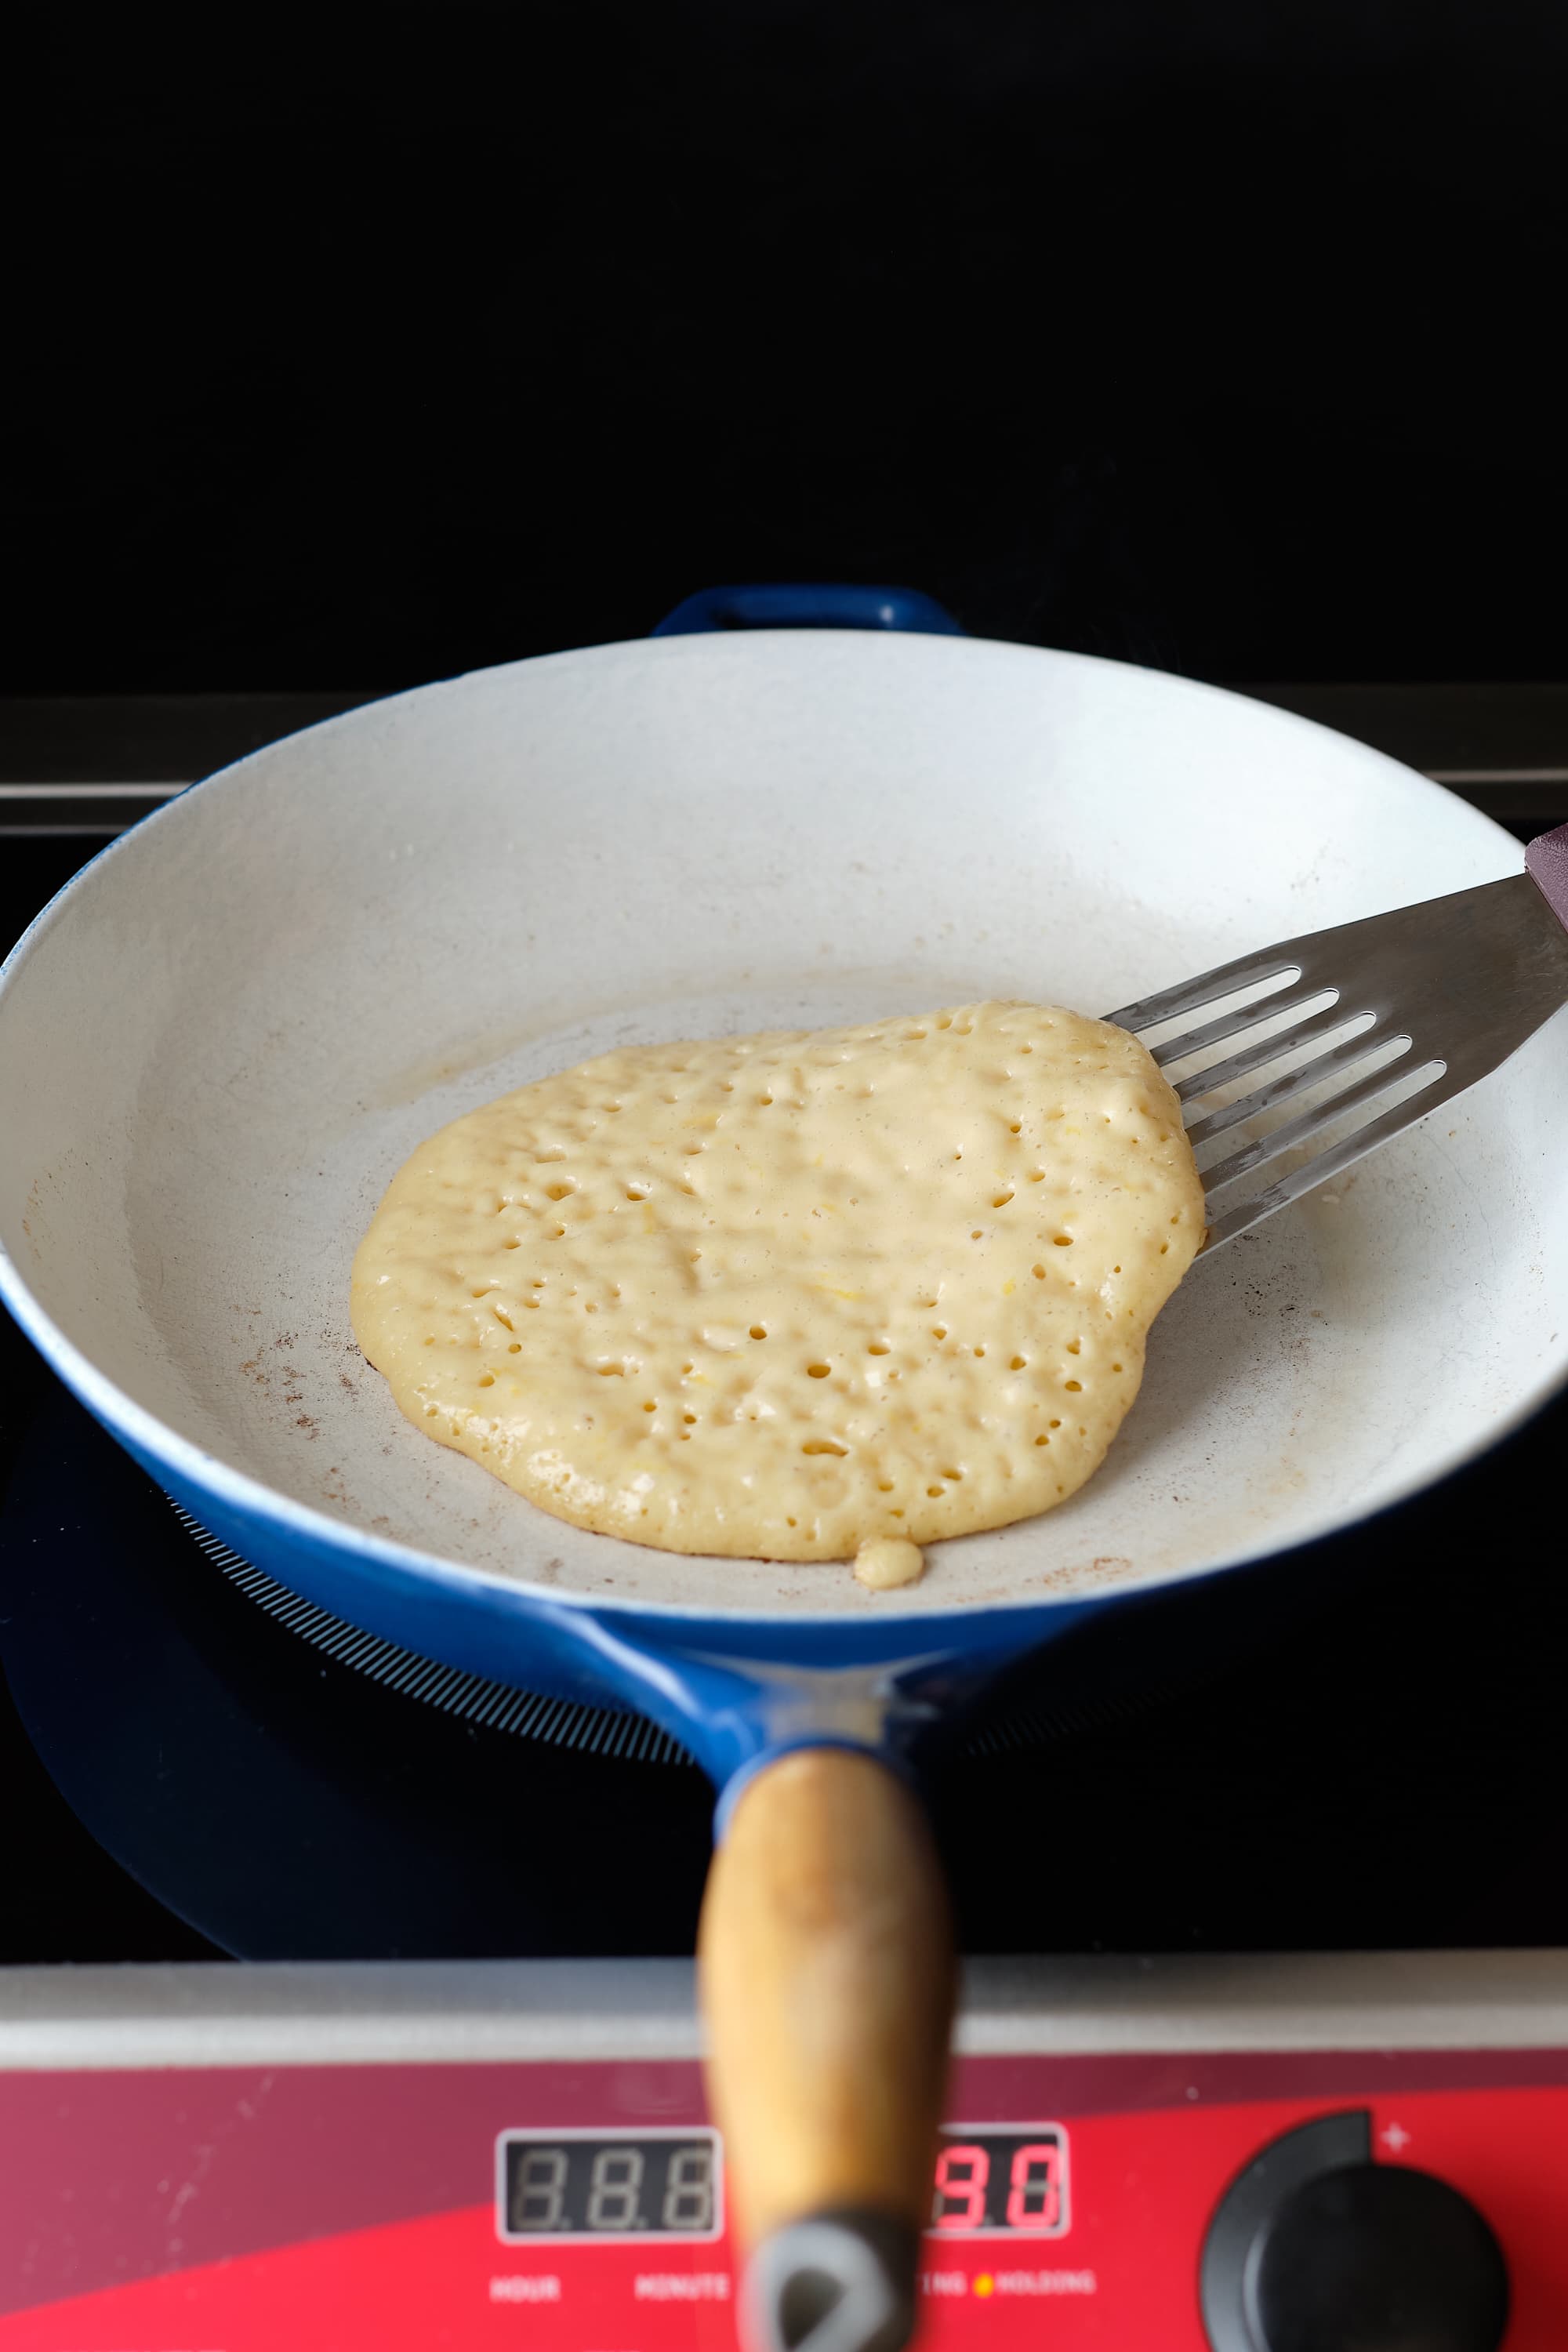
(1546, 862)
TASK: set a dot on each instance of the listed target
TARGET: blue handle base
(808, 604)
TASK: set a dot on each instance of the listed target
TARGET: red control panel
(571, 2208)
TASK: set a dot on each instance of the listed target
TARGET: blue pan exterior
(732, 1688)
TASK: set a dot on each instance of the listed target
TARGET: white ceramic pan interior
(219, 1044)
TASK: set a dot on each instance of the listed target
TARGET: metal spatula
(1345, 1036)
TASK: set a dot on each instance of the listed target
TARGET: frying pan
(223, 1036)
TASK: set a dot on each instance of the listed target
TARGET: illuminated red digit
(1034, 2177)
(962, 2173)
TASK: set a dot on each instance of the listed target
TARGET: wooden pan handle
(825, 1956)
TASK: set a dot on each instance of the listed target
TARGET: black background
(355, 347)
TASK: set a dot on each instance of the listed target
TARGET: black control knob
(1315, 2248)
(1377, 2258)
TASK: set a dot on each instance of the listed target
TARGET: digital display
(603, 2185)
(1007, 2180)
(1003, 2180)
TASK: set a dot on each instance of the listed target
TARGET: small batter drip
(886, 1560)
